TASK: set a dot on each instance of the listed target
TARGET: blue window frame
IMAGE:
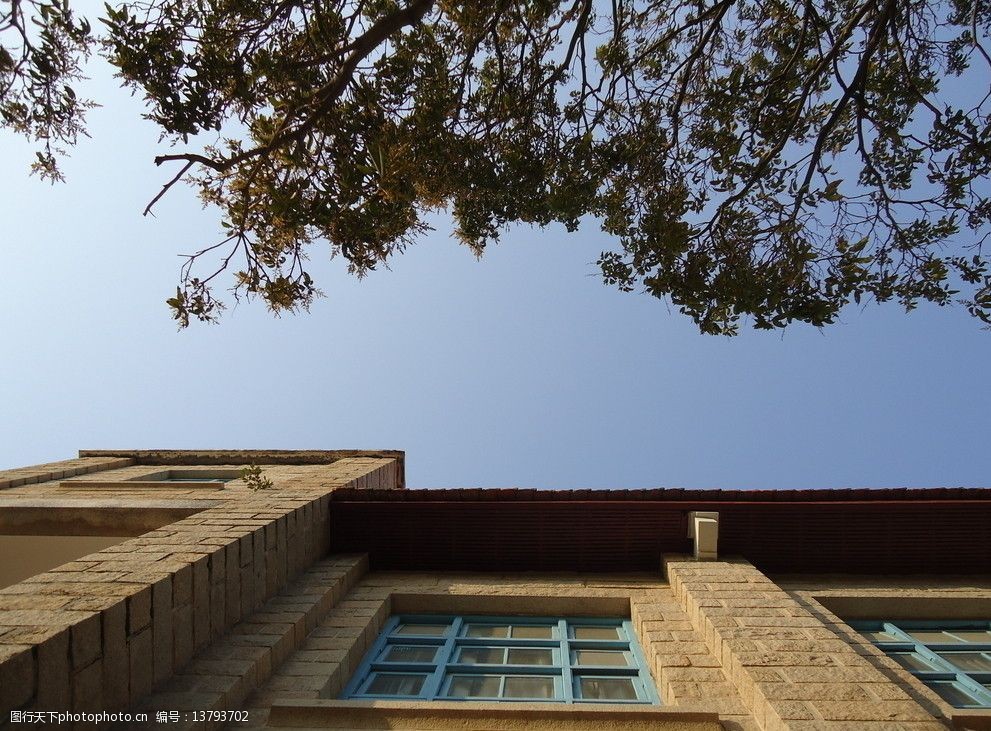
(485, 658)
(952, 658)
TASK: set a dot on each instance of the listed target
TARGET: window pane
(601, 657)
(953, 693)
(488, 630)
(530, 656)
(911, 661)
(409, 653)
(592, 632)
(482, 655)
(614, 689)
(395, 684)
(527, 687)
(430, 630)
(930, 637)
(533, 631)
(969, 661)
(474, 686)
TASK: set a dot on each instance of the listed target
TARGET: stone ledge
(242, 456)
(438, 715)
(971, 720)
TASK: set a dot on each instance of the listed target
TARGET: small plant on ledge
(254, 479)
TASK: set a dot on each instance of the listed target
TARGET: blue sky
(522, 369)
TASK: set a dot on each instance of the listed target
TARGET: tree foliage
(768, 160)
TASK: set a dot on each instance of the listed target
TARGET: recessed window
(952, 658)
(189, 475)
(440, 657)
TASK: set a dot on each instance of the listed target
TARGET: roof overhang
(901, 531)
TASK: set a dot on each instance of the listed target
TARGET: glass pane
(525, 687)
(911, 661)
(409, 653)
(591, 632)
(971, 635)
(530, 656)
(482, 655)
(430, 630)
(953, 693)
(474, 686)
(880, 636)
(395, 684)
(614, 689)
(533, 631)
(930, 637)
(969, 661)
(488, 630)
(601, 657)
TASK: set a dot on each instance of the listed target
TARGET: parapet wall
(103, 631)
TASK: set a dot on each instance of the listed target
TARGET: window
(195, 476)
(952, 658)
(431, 657)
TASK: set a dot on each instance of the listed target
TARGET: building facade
(320, 593)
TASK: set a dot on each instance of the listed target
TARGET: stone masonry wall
(915, 597)
(685, 672)
(102, 632)
(791, 670)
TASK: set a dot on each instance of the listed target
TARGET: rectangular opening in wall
(199, 478)
(515, 658)
(44, 535)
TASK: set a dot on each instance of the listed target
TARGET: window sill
(441, 715)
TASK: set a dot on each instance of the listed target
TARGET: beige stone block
(218, 612)
(681, 690)
(86, 641)
(233, 583)
(40, 617)
(29, 635)
(201, 603)
(295, 667)
(182, 586)
(139, 611)
(693, 674)
(162, 626)
(279, 683)
(891, 711)
(282, 554)
(828, 675)
(785, 659)
(258, 564)
(247, 593)
(17, 673)
(815, 691)
(141, 664)
(87, 688)
(182, 628)
(116, 693)
(271, 570)
(218, 566)
(54, 674)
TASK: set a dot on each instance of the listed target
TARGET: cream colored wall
(835, 599)
(687, 675)
(24, 556)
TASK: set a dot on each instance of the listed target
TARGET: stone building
(166, 583)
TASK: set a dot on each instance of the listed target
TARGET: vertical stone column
(790, 669)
